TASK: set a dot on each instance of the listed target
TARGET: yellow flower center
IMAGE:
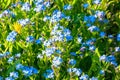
(17, 27)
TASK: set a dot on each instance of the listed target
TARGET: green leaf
(60, 4)
(97, 52)
(8, 2)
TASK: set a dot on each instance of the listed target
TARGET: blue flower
(34, 70)
(103, 58)
(57, 61)
(7, 13)
(28, 71)
(66, 32)
(73, 53)
(88, 24)
(102, 72)
(92, 18)
(47, 4)
(58, 51)
(55, 11)
(105, 21)
(85, 5)
(9, 78)
(14, 75)
(17, 55)
(24, 22)
(49, 51)
(67, 7)
(68, 18)
(1, 78)
(10, 59)
(26, 6)
(92, 48)
(79, 39)
(1, 15)
(112, 60)
(39, 1)
(96, 1)
(84, 77)
(1, 55)
(110, 36)
(93, 78)
(30, 39)
(49, 74)
(76, 71)
(89, 42)
(100, 14)
(38, 41)
(72, 62)
(47, 43)
(19, 67)
(57, 16)
(114, 63)
(83, 48)
(11, 36)
(40, 7)
(117, 49)
(102, 34)
(6, 53)
(118, 37)
(93, 28)
(86, 18)
(40, 56)
(46, 18)
(69, 37)
(13, 5)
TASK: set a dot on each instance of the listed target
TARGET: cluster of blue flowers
(56, 17)
(12, 76)
(111, 59)
(31, 39)
(24, 22)
(7, 13)
(72, 62)
(41, 5)
(49, 51)
(12, 36)
(57, 61)
(26, 70)
(12, 58)
(87, 45)
(26, 7)
(60, 33)
(49, 74)
(76, 71)
(57, 48)
(67, 7)
(4, 54)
